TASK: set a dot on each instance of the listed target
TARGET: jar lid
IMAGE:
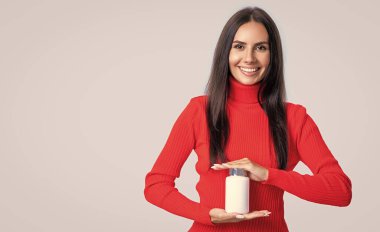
(237, 172)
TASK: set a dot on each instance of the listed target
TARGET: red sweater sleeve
(328, 184)
(159, 182)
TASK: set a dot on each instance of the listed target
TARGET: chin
(248, 80)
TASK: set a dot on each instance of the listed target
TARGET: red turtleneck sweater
(249, 137)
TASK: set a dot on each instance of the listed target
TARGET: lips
(253, 69)
(249, 71)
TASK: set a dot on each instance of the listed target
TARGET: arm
(328, 184)
(159, 182)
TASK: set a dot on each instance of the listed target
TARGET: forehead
(251, 32)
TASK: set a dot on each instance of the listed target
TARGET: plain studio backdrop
(89, 91)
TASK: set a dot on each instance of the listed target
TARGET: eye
(262, 48)
(238, 46)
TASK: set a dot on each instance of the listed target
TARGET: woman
(244, 122)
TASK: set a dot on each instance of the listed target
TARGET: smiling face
(249, 55)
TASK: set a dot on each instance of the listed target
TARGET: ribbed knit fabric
(249, 137)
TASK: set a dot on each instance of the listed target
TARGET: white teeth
(249, 69)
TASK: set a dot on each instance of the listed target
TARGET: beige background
(89, 91)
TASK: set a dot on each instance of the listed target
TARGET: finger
(257, 214)
(244, 160)
(228, 217)
(228, 220)
(232, 164)
(240, 216)
(236, 216)
(218, 167)
(232, 216)
(236, 165)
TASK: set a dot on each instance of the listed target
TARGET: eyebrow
(258, 43)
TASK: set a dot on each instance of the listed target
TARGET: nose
(249, 56)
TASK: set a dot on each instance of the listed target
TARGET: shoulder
(200, 100)
(295, 110)
(195, 105)
(296, 115)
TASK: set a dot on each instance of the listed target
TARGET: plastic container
(237, 191)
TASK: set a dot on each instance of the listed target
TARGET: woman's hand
(221, 216)
(255, 171)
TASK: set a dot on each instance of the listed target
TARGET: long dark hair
(272, 87)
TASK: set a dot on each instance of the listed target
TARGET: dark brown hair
(272, 88)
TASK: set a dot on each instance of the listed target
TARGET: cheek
(233, 59)
(266, 59)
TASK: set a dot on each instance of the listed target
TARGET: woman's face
(249, 55)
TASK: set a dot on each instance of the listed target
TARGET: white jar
(237, 191)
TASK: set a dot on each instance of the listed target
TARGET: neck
(243, 93)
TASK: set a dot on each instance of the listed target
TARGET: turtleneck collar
(243, 93)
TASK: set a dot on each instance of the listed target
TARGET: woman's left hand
(255, 171)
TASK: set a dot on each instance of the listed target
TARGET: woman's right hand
(221, 216)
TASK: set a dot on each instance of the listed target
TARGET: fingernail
(240, 216)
